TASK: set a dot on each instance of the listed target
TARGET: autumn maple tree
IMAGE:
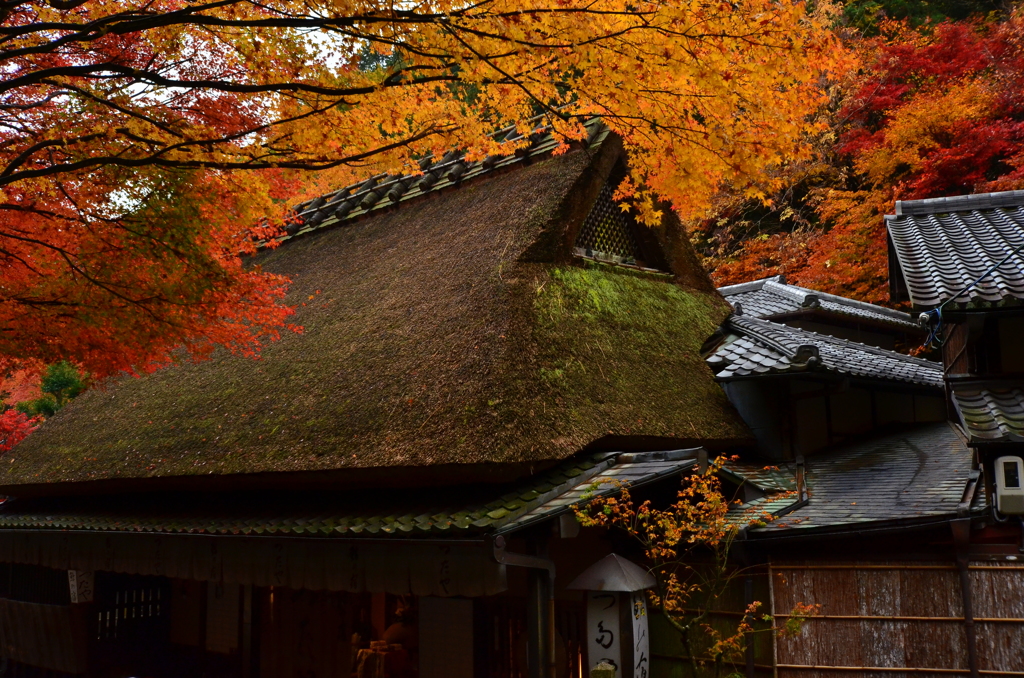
(146, 145)
(14, 426)
(932, 111)
(686, 546)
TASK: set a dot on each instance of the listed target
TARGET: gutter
(881, 528)
(520, 559)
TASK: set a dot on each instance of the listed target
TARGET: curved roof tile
(755, 347)
(943, 245)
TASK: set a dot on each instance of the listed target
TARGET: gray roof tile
(772, 298)
(379, 513)
(922, 472)
(754, 347)
(991, 413)
(607, 481)
(942, 245)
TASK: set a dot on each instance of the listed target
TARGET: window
(606, 233)
(609, 234)
(1011, 475)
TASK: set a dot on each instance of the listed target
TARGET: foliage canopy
(142, 140)
(932, 111)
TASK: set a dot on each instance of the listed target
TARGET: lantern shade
(613, 573)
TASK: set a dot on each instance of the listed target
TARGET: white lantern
(617, 629)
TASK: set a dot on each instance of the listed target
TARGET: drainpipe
(540, 603)
(962, 539)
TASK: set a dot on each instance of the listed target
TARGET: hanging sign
(641, 640)
(604, 639)
(80, 586)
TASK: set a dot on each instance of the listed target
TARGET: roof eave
(764, 535)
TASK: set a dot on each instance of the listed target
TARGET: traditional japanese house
(958, 260)
(389, 492)
(886, 503)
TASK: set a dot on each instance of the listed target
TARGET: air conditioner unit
(1010, 486)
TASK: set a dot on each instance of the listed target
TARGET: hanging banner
(604, 639)
(641, 640)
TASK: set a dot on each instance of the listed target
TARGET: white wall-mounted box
(1009, 472)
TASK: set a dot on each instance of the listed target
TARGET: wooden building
(388, 492)
(890, 469)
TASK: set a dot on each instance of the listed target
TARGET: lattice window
(129, 607)
(607, 232)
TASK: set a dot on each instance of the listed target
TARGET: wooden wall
(46, 636)
(998, 592)
(887, 616)
(304, 634)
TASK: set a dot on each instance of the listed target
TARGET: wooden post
(771, 611)
(540, 617)
(247, 645)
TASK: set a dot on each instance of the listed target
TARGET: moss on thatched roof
(453, 331)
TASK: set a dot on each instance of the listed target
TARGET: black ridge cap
(814, 336)
(956, 203)
(748, 327)
(798, 348)
(798, 295)
(438, 174)
(855, 303)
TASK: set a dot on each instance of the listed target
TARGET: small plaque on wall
(80, 585)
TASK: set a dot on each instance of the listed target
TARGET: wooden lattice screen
(607, 232)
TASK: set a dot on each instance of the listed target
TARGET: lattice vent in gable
(607, 232)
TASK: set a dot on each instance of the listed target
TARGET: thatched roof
(450, 333)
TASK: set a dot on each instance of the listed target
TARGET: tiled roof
(991, 414)
(767, 478)
(759, 347)
(632, 470)
(915, 474)
(942, 245)
(438, 512)
(770, 298)
(382, 191)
